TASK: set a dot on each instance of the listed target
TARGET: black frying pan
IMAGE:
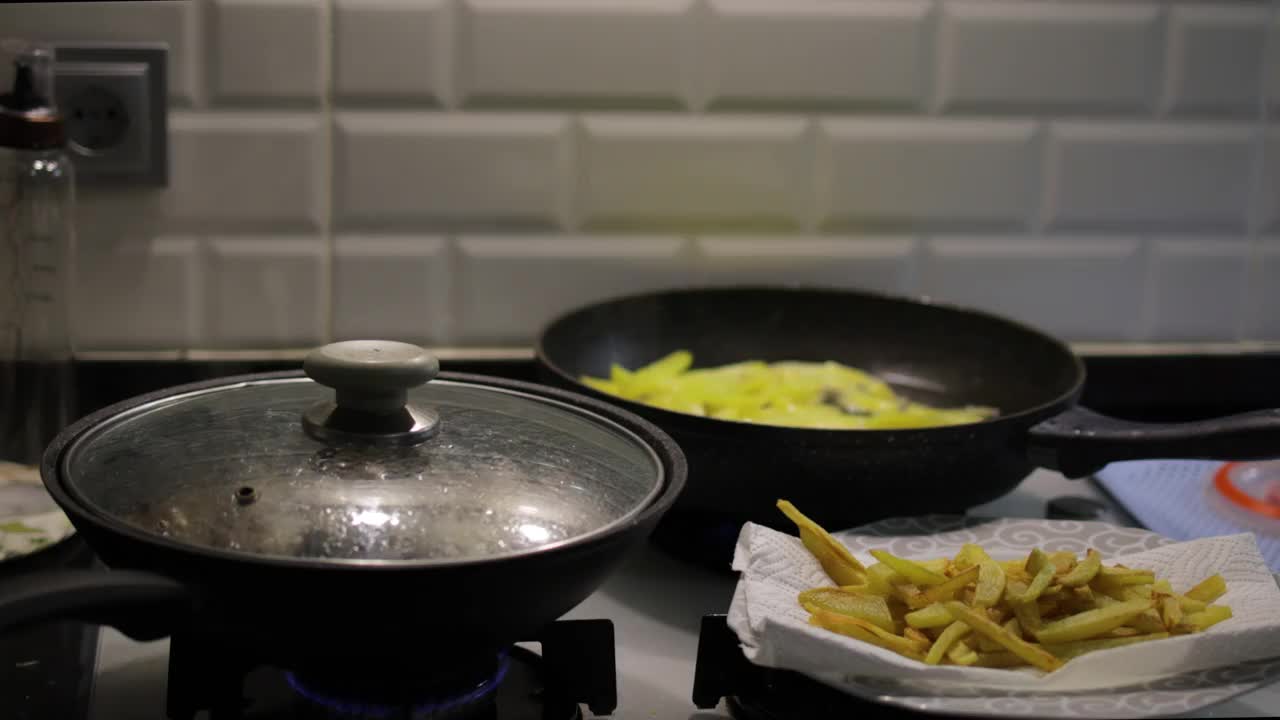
(383, 620)
(929, 352)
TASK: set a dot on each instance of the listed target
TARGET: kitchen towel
(1173, 498)
(773, 629)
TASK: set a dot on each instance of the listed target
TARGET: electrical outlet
(113, 98)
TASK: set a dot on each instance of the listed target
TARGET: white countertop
(656, 604)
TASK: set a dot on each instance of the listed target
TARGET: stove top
(752, 692)
(576, 668)
(47, 671)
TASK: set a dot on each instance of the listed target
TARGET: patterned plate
(1009, 538)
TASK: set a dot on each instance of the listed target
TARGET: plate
(941, 535)
(30, 521)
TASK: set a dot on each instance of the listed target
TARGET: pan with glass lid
(329, 512)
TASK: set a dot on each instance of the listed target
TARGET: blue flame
(426, 709)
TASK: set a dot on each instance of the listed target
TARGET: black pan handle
(1080, 442)
(143, 606)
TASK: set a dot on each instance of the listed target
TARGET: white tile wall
(534, 50)
(267, 51)
(397, 169)
(508, 285)
(391, 51)
(160, 308)
(1216, 55)
(168, 21)
(1268, 193)
(395, 287)
(1199, 286)
(1084, 288)
(1263, 320)
(869, 263)
(238, 169)
(1147, 174)
(926, 173)
(265, 291)
(877, 53)
(644, 170)
(1041, 55)
(456, 171)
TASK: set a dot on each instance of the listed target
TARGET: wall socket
(114, 99)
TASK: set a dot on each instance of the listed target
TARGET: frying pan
(927, 351)
(308, 611)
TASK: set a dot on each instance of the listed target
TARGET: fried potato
(974, 610)
(1090, 623)
(872, 608)
(1210, 589)
(1032, 654)
(914, 572)
(835, 558)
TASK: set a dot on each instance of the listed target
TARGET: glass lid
(385, 467)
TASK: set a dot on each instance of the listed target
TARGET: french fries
(973, 610)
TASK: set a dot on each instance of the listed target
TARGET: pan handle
(1080, 442)
(143, 606)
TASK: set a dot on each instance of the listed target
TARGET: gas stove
(655, 609)
(657, 606)
(208, 677)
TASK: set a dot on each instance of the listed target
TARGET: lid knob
(371, 380)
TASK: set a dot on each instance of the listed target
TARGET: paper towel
(774, 631)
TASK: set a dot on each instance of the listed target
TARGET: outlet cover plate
(114, 99)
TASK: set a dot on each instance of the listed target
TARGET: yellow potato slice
(948, 589)
(867, 632)
(871, 608)
(980, 624)
(915, 573)
(932, 616)
(1205, 619)
(1091, 622)
(1084, 571)
(1066, 651)
(1210, 589)
(1036, 559)
(961, 654)
(1043, 577)
(991, 581)
(1000, 659)
(954, 632)
(836, 560)
(1170, 612)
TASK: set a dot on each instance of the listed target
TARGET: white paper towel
(774, 630)
(1175, 498)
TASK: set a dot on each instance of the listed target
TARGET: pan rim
(670, 458)
(800, 435)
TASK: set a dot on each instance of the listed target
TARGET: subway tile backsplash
(456, 172)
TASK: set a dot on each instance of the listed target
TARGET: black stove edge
(1140, 387)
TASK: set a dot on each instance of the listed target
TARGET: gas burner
(337, 701)
(752, 692)
(576, 667)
